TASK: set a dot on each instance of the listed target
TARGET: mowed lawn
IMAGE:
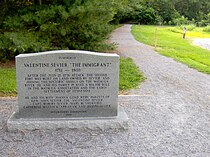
(7, 81)
(169, 42)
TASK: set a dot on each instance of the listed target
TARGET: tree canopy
(165, 11)
(34, 26)
(39, 25)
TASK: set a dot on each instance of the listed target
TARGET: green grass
(8, 82)
(171, 44)
(130, 77)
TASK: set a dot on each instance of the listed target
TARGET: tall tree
(164, 8)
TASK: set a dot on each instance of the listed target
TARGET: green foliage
(164, 8)
(172, 44)
(164, 11)
(205, 21)
(137, 13)
(84, 24)
(14, 43)
(130, 76)
(70, 25)
(189, 27)
(3, 8)
(181, 21)
(207, 29)
(172, 12)
(192, 9)
(179, 29)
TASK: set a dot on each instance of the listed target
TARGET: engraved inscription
(67, 84)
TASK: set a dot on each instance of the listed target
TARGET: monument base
(119, 122)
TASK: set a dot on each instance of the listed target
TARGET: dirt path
(169, 116)
(165, 76)
(204, 43)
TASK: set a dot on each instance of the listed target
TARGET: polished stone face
(67, 84)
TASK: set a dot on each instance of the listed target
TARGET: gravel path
(169, 116)
(204, 43)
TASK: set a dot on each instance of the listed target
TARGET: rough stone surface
(67, 84)
(119, 122)
(169, 116)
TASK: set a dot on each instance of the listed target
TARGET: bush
(71, 25)
(202, 23)
(181, 21)
(179, 29)
(138, 14)
(189, 27)
(207, 29)
(205, 21)
(14, 43)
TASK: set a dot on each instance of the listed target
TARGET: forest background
(28, 26)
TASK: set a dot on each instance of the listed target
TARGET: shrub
(207, 29)
(181, 21)
(14, 43)
(189, 27)
(138, 14)
(70, 25)
(202, 23)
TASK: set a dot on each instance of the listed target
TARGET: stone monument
(67, 89)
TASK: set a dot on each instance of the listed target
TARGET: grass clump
(130, 76)
(171, 44)
(8, 82)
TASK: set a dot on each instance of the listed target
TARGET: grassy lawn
(170, 43)
(130, 77)
(8, 82)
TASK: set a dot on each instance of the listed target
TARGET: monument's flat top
(70, 52)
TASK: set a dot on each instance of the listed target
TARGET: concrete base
(119, 122)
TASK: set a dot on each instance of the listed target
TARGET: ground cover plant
(130, 76)
(8, 81)
(170, 43)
